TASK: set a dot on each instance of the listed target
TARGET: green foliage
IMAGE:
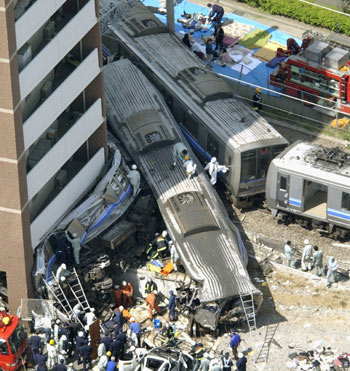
(305, 13)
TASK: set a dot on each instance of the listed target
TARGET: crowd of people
(312, 258)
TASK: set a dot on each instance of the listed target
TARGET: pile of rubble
(320, 358)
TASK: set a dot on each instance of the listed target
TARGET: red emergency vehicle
(319, 75)
(13, 342)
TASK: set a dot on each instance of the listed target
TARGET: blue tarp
(260, 75)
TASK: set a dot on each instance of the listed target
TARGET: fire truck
(318, 75)
(13, 341)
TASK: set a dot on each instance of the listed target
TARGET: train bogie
(311, 184)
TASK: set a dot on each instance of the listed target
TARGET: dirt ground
(297, 303)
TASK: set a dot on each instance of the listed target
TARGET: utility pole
(170, 15)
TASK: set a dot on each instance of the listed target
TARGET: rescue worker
(150, 286)
(115, 348)
(219, 36)
(190, 167)
(117, 295)
(216, 13)
(179, 152)
(204, 363)
(289, 254)
(41, 361)
(90, 317)
(112, 365)
(61, 366)
(169, 333)
(152, 304)
(136, 330)
(80, 342)
(241, 363)
(71, 367)
(306, 257)
(62, 344)
(172, 305)
(56, 331)
(198, 353)
(234, 343)
(257, 100)
(118, 318)
(159, 247)
(101, 348)
(102, 362)
(174, 256)
(122, 338)
(135, 179)
(214, 168)
(86, 351)
(75, 241)
(332, 271)
(62, 271)
(107, 341)
(226, 362)
(317, 261)
(51, 354)
(35, 345)
(127, 292)
(77, 312)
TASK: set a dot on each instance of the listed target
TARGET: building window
(345, 201)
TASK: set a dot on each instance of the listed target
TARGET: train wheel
(309, 99)
(241, 203)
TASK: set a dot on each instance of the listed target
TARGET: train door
(295, 192)
(282, 190)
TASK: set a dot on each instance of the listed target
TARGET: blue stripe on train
(338, 214)
(294, 201)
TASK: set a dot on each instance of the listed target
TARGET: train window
(276, 150)
(248, 167)
(212, 146)
(191, 126)
(345, 201)
(283, 183)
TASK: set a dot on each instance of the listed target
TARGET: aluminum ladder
(77, 290)
(265, 348)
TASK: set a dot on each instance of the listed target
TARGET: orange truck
(13, 342)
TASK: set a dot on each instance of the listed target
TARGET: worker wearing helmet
(135, 178)
(51, 354)
(75, 242)
(152, 303)
(190, 167)
(159, 247)
(179, 153)
(117, 294)
(150, 286)
(127, 292)
(257, 100)
(214, 168)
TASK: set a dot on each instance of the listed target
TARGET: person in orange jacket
(117, 295)
(127, 292)
(151, 301)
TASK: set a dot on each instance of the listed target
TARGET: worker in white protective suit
(174, 256)
(135, 179)
(306, 259)
(214, 168)
(62, 271)
(56, 330)
(62, 344)
(332, 270)
(51, 354)
(90, 317)
(190, 167)
(179, 153)
(75, 242)
(77, 311)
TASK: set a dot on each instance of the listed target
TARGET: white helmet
(213, 159)
(80, 334)
(75, 235)
(306, 242)
(64, 266)
(134, 167)
(149, 279)
(171, 242)
(121, 308)
(124, 283)
(63, 279)
(164, 234)
(116, 287)
(240, 355)
(132, 319)
(92, 310)
(155, 292)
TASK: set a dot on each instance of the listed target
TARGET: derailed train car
(311, 184)
(208, 243)
(213, 121)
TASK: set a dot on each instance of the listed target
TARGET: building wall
(15, 228)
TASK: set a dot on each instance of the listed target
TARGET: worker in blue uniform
(80, 342)
(61, 366)
(86, 351)
(216, 13)
(172, 305)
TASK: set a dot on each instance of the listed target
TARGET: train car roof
(171, 59)
(329, 165)
(196, 219)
